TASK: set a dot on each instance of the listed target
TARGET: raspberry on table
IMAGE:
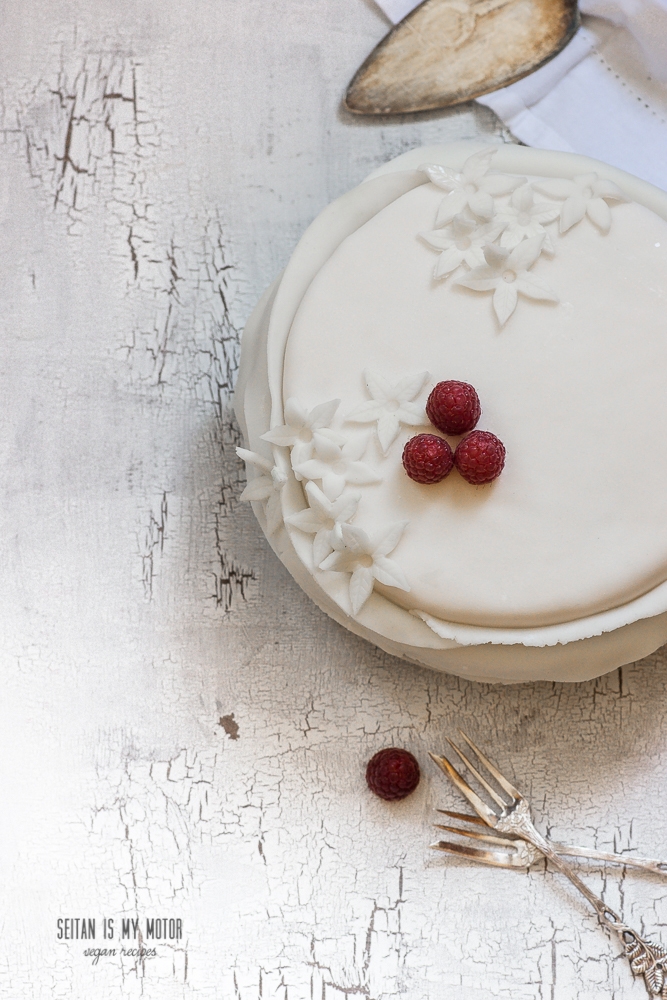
(392, 774)
(427, 458)
(453, 407)
(480, 457)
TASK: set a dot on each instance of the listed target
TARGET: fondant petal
(389, 539)
(366, 412)
(525, 253)
(360, 473)
(388, 429)
(478, 282)
(323, 414)
(533, 288)
(572, 212)
(437, 239)
(477, 165)
(361, 587)
(274, 513)
(254, 459)
(321, 545)
(450, 206)
(504, 300)
(409, 387)
(355, 539)
(481, 204)
(598, 211)
(295, 414)
(356, 447)
(284, 436)
(378, 386)
(333, 484)
(412, 414)
(305, 520)
(258, 489)
(495, 256)
(313, 469)
(447, 262)
(603, 188)
(386, 571)
(442, 177)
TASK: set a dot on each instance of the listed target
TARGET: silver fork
(511, 851)
(513, 818)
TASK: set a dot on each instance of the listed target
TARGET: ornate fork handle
(646, 958)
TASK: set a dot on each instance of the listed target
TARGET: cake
(539, 278)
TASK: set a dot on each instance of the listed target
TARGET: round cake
(539, 279)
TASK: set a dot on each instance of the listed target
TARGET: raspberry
(480, 457)
(453, 407)
(427, 458)
(392, 774)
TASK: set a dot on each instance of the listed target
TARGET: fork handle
(643, 864)
(646, 958)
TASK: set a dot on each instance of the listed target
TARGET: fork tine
(465, 817)
(473, 770)
(474, 835)
(499, 859)
(481, 808)
(501, 779)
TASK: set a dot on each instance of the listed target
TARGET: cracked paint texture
(183, 733)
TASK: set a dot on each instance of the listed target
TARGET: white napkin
(604, 95)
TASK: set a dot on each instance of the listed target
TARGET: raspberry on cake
(453, 407)
(480, 457)
(427, 458)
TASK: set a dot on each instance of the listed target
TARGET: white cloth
(604, 95)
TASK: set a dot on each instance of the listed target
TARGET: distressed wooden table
(183, 732)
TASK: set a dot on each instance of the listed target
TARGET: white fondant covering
(585, 583)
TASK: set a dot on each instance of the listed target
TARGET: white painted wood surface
(183, 733)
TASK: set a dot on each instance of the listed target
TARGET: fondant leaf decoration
(599, 212)
(366, 561)
(473, 188)
(304, 429)
(506, 274)
(504, 301)
(361, 587)
(387, 572)
(389, 539)
(266, 487)
(461, 242)
(323, 518)
(524, 218)
(391, 406)
(573, 211)
(336, 466)
(582, 197)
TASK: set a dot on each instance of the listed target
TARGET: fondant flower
(304, 428)
(473, 188)
(523, 219)
(461, 242)
(266, 487)
(323, 518)
(585, 194)
(367, 561)
(506, 275)
(337, 466)
(390, 406)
